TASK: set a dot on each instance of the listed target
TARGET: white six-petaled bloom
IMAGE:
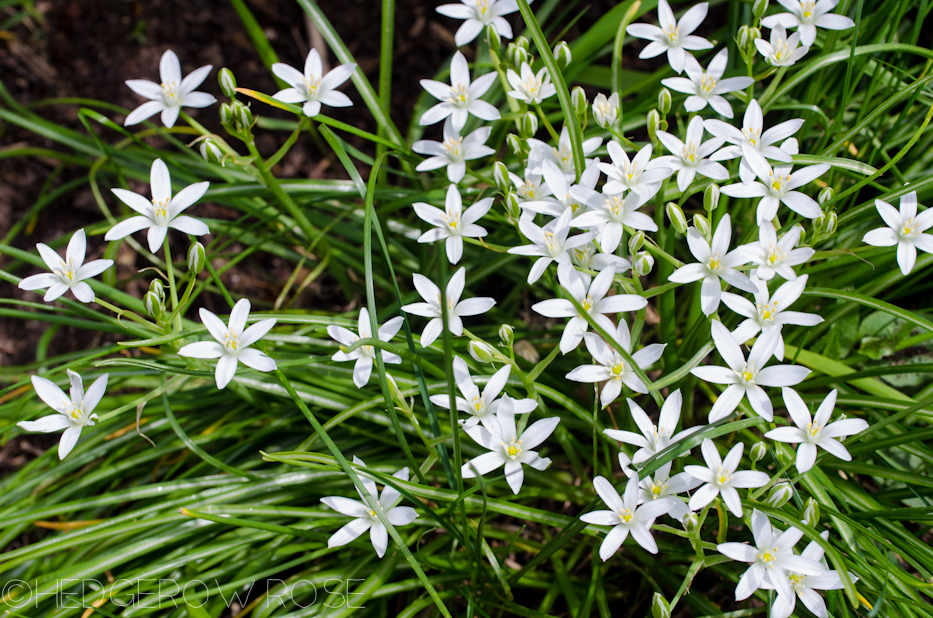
(232, 343)
(805, 586)
(753, 134)
(664, 486)
(171, 95)
(641, 174)
(905, 229)
(777, 186)
(506, 448)
(453, 224)
(530, 87)
(562, 198)
(782, 50)
(715, 261)
(364, 355)
(653, 438)
(592, 299)
(606, 110)
(609, 214)
(772, 556)
(161, 212)
(75, 410)
(479, 14)
(67, 274)
(773, 256)
(722, 477)
(707, 87)
(461, 98)
(481, 406)
(807, 16)
(815, 432)
(366, 518)
(625, 516)
(550, 243)
(454, 151)
(456, 308)
(692, 158)
(312, 88)
(560, 155)
(745, 378)
(769, 311)
(611, 367)
(672, 36)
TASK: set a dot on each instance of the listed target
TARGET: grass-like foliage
(573, 381)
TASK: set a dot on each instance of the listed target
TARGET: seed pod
(578, 99)
(711, 198)
(227, 82)
(562, 54)
(664, 101)
(758, 451)
(660, 608)
(481, 352)
(779, 495)
(500, 174)
(635, 242)
(643, 264)
(676, 216)
(529, 124)
(196, 258)
(701, 223)
(211, 152)
(506, 334)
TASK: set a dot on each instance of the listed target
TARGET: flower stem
(547, 123)
(173, 292)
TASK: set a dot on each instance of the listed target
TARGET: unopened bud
(701, 223)
(515, 55)
(811, 513)
(522, 42)
(211, 152)
(779, 495)
(664, 101)
(711, 198)
(481, 352)
(153, 305)
(562, 54)
(512, 207)
(691, 522)
(635, 242)
(759, 8)
(758, 451)
(196, 258)
(643, 263)
(579, 102)
(660, 608)
(742, 37)
(529, 124)
(818, 225)
(654, 124)
(506, 334)
(677, 217)
(227, 82)
(500, 174)
(492, 35)
(831, 223)
(157, 288)
(397, 396)
(226, 116)
(606, 111)
(242, 116)
(826, 195)
(515, 144)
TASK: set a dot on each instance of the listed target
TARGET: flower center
(170, 93)
(813, 430)
(768, 557)
(527, 190)
(690, 155)
(231, 341)
(626, 515)
(482, 10)
(672, 32)
(459, 95)
(479, 404)
(723, 477)
(67, 271)
(909, 228)
(707, 84)
(312, 86)
(452, 219)
(616, 205)
(807, 8)
(605, 110)
(587, 304)
(796, 581)
(767, 312)
(513, 449)
(752, 136)
(618, 368)
(550, 241)
(779, 183)
(160, 211)
(781, 50)
(714, 263)
(452, 145)
(748, 373)
(657, 490)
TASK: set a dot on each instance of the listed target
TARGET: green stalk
(170, 272)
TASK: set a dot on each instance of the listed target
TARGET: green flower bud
(711, 198)
(759, 8)
(529, 124)
(506, 334)
(664, 101)
(226, 116)
(481, 352)
(676, 216)
(492, 35)
(227, 82)
(831, 223)
(157, 288)
(606, 111)
(691, 522)
(780, 494)
(701, 223)
(242, 116)
(635, 242)
(654, 124)
(500, 174)
(562, 54)
(742, 39)
(758, 451)
(578, 99)
(512, 207)
(153, 305)
(826, 195)
(522, 43)
(660, 608)
(211, 152)
(196, 258)
(643, 263)
(397, 396)
(818, 226)
(811, 513)
(515, 144)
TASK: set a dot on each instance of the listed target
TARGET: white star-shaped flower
(481, 406)
(773, 256)
(672, 36)
(707, 87)
(232, 343)
(366, 518)
(772, 556)
(506, 448)
(479, 14)
(454, 151)
(75, 411)
(811, 433)
(905, 229)
(453, 224)
(769, 312)
(664, 486)
(612, 368)
(641, 175)
(782, 50)
(562, 198)
(588, 257)
(461, 98)
(561, 155)
(364, 355)
(692, 158)
(653, 438)
(625, 516)
(551, 243)
(609, 214)
(714, 261)
(171, 95)
(67, 274)
(777, 186)
(592, 297)
(532, 188)
(752, 134)
(807, 16)
(161, 212)
(722, 477)
(312, 88)
(606, 110)
(456, 308)
(530, 87)
(745, 378)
